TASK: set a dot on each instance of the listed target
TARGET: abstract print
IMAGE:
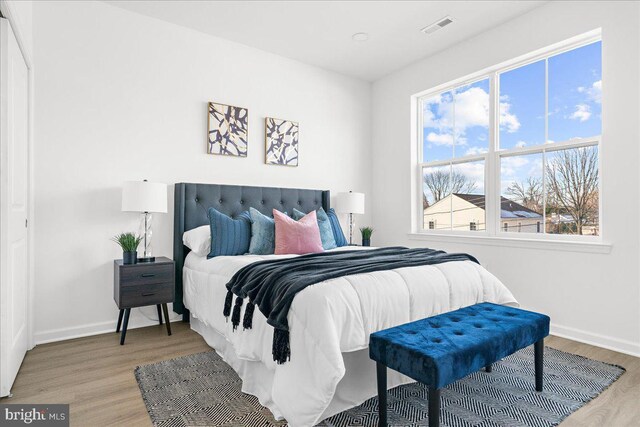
(228, 130)
(281, 138)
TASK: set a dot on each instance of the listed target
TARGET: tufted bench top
(442, 349)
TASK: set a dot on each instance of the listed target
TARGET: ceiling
(320, 33)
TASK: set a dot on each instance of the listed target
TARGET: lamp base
(147, 259)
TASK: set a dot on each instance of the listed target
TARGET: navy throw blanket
(272, 284)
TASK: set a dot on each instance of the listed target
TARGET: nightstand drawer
(137, 296)
(146, 274)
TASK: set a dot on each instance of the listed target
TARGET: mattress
(329, 323)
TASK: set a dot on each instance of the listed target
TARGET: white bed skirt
(357, 385)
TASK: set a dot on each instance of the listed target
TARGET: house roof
(508, 208)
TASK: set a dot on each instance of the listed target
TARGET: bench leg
(538, 356)
(381, 371)
(434, 407)
(488, 368)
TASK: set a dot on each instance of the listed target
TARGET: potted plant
(129, 243)
(366, 235)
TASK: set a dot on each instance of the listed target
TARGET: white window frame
(494, 155)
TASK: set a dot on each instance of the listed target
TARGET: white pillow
(198, 240)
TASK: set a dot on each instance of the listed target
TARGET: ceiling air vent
(441, 23)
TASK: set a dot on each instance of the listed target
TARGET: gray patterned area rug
(202, 390)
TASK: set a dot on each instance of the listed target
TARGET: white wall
(590, 297)
(120, 96)
(20, 14)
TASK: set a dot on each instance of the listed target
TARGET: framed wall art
(228, 130)
(281, 139)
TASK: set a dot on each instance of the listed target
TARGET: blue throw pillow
(337, 230)
(326, 231)
(229, 236)
(263, 233)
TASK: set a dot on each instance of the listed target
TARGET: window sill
(517, 242)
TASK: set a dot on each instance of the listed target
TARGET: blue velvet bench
(442, 349)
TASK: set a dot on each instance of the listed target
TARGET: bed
(330, 322)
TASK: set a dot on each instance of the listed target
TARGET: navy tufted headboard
(192, 202)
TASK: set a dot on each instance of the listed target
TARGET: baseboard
(615, 344)
(63, 334)
(53, 335)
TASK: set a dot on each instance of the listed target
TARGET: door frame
(8, 11)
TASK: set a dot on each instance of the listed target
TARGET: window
(455, 141)
(536, 127)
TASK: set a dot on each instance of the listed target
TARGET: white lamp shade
(143, 196)
(350, 203)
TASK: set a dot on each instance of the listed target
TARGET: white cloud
(427, 115)
(582, 113)
(509, 166)
(508, 120)
(551, 113)
(440, 139)
(461, 140)
(471, 109)
(472, 151)
(519, 169)
(594, 92)
(521, 144)
(442, 105)
(474, 171)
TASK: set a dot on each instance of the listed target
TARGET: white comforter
(331, 318)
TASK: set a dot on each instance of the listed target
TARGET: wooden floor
(95, 375)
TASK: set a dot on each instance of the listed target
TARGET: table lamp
(351, 203)
(145, 197)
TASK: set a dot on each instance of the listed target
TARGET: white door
(14, 131)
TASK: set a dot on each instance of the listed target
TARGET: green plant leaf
(129, 242)
(366, 232)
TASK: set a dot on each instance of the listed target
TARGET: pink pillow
(297, 237)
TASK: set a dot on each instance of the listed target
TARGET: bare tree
(441, 184)
(425, 202)
(572, 184)
(530, 193)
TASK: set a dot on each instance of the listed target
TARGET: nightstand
(138, 285)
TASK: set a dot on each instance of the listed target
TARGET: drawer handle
(148, 275)
(148, 294)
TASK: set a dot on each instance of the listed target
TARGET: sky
(462, 115)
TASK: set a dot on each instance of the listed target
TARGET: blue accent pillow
(229, 236)
(263, 233)
(337, 230)
(326, 231)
